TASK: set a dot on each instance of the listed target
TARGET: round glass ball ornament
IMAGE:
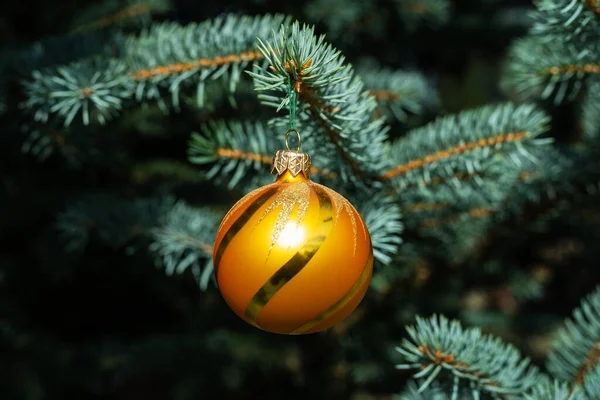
(293, 257)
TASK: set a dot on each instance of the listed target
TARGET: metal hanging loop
(297, 135)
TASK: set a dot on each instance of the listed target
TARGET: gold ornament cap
(293, 161)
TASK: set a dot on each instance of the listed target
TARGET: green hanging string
(292, 100)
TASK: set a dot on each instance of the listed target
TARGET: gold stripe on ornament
(240, 222)
(339, 304)
(292, 267)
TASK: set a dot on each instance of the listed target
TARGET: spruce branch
(330, 95)
(561, 182)
(547, 388)
(236, 149)
(163, 59)
(566, 18)
(463, 142)
(556, 389)
(576, 348)
(169, 56)
(184, 241)
(396, 92)
(462, 176)
(443, 200)
(440, 348)
(456, 186)
(435, 391)
(524, 198)
(384, 222)
(557, 70)
(591, 383)
(96, 88)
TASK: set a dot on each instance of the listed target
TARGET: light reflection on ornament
(292, 235)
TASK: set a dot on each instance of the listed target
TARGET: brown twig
(178, 68)
(459, 149)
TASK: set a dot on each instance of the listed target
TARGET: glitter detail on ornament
(295, 194)
(239, 204)
(341, 204)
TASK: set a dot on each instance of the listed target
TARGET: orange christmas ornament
(293, 257)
